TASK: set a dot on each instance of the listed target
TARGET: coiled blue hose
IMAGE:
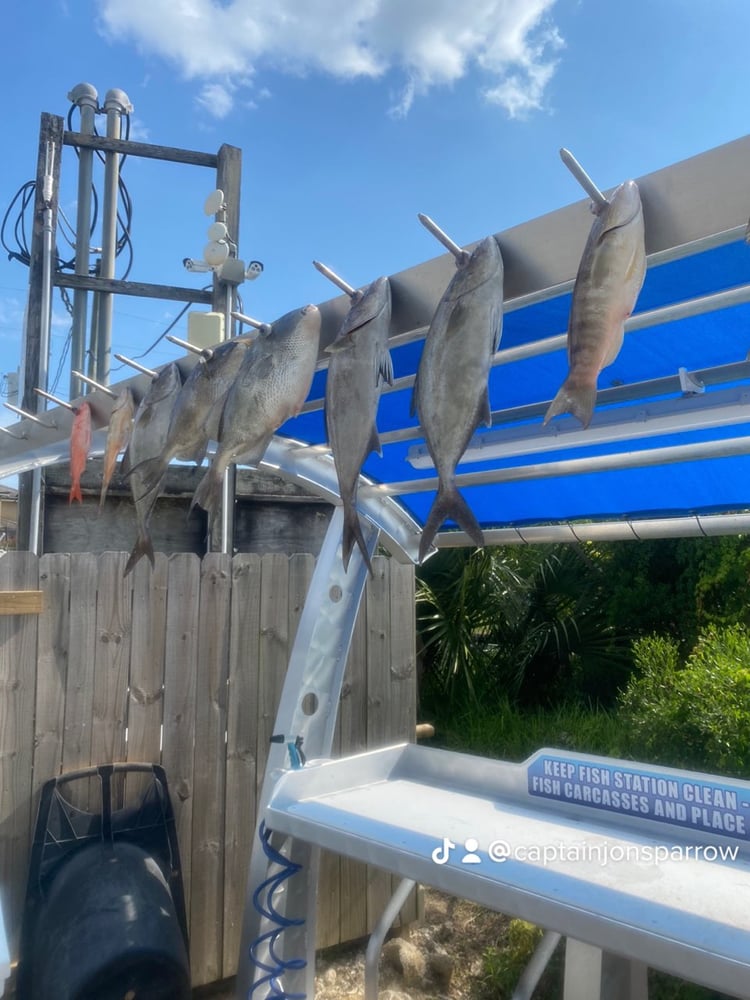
(268, 910)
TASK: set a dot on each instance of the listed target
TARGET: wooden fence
(184, 665)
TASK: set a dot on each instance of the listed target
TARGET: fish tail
(143, 547)
(75, 493)
(353, 533)
(576, 398)
(449, 504)
(208, 491)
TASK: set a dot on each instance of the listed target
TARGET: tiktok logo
(441, 854)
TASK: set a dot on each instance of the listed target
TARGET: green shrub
(695, 716)
(503, 964)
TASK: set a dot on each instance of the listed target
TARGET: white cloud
(216, 99)
(224, 43)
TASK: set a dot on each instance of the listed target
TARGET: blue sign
(667, 796)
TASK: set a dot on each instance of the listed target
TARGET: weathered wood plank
(79, 691)
(147, 649)
(181, 656)
(207, 907)
(378, 668)
(52, 670)
(242, 742)
(143, 289)
(21, 602)
(148, 150)
(111, 665)
(402, 693)
(18, 648)
(146, 691)
(352, 724)
(273, 649)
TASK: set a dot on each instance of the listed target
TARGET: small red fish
(80, 444)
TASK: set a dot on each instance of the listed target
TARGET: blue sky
(354, 115)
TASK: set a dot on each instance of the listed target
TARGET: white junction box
(205, 329)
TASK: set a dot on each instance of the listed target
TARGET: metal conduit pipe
(375, 944)
(537, 964)
(116, 104)
(86, 98)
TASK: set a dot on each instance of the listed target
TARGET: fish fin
(449, 504)
(385, 369)
(484, 414)
(353, 533)
(572, 398)
(413, 403)
(341, 343)
(150, 471)
(208, 491)
(374, 443)
(75, 493)
(143, 547)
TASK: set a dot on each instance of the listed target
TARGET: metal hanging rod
(30, 416)
(92, 382)
(55, 400)
(332, 276)
(583, 178)
(459, 253)
(249, 321)
(19, 437)
(669, 454)
(138, 367)
(204, 352)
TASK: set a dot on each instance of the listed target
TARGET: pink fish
(80, 444)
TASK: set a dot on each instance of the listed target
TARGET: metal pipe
(694, 452)
(54, 399)
(30, 416)
(138, 367)
(460, 254)
(86, 98)
(332, 276)
(94, 384)
(583, 178)
(229, 484)
(375, 944)
(116, 104)
(187, 346)
(45, 310)
(537, 964)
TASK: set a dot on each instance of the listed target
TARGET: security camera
(254, 269)
(195, 265)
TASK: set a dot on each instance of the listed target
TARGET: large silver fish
(609, 279)
(148, 437)
(360, 363)
(197, 409)
(451, 393)
(270, 387)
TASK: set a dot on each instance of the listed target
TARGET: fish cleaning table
(650, 864)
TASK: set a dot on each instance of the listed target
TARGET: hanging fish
(150, 427)
(118, 436)
(360, 363)
(451, 392)
(609, 279)
(271, 386)
(195, 418)
(80, 445)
